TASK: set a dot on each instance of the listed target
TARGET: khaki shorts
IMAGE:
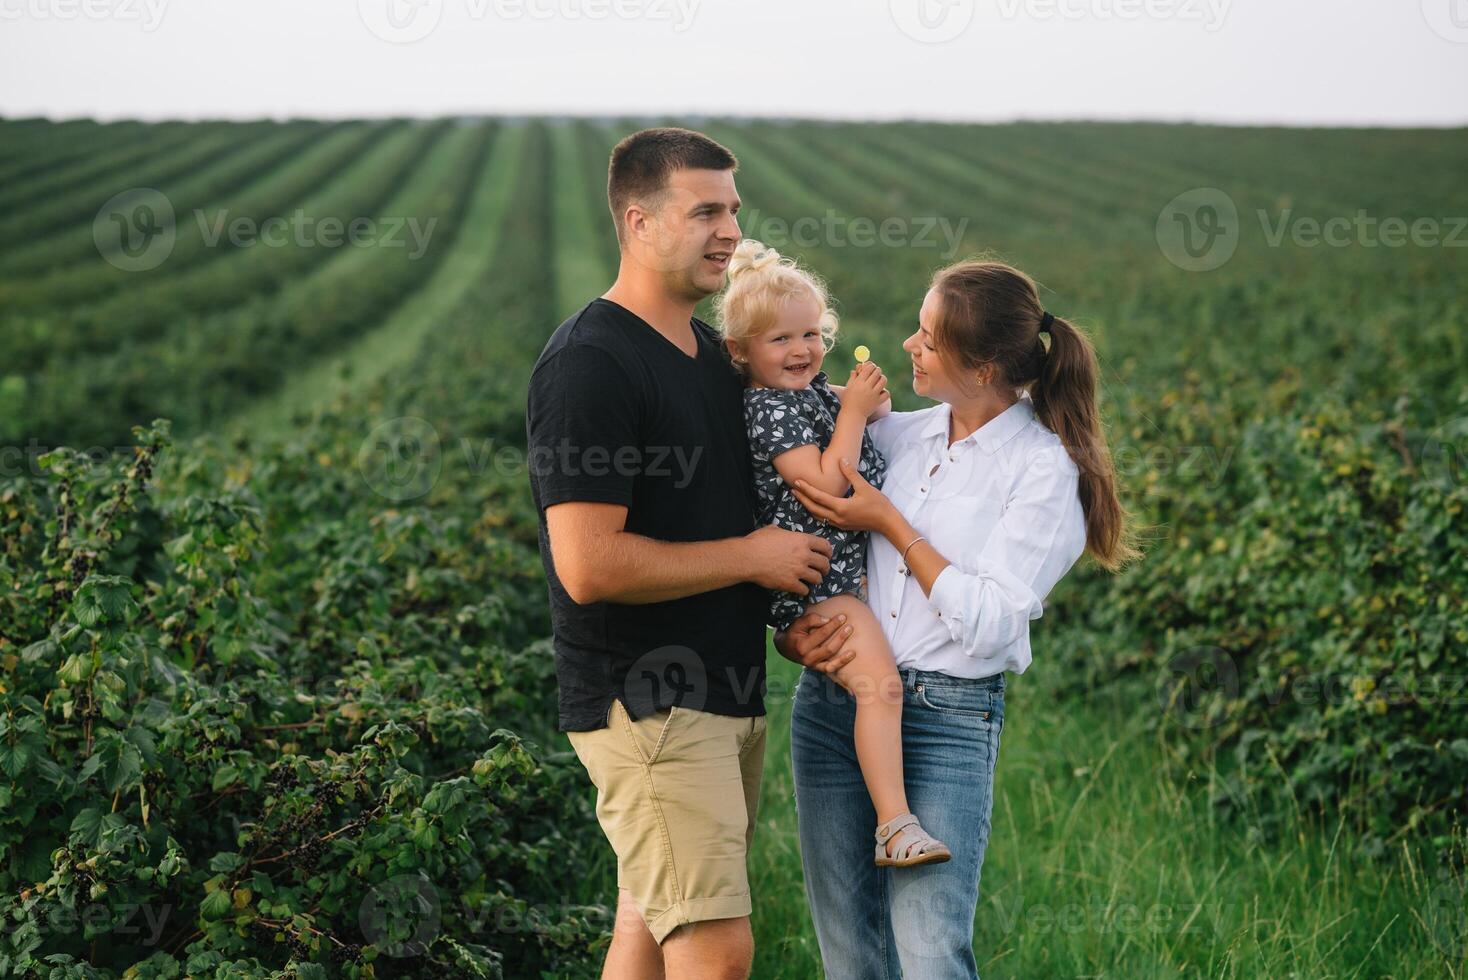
(676, 794)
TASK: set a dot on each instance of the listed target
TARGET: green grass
(1108, 861)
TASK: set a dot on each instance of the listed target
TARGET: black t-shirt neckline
(697, 339)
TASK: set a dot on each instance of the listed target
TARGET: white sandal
(917, 846)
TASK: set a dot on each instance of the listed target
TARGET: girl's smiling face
(790, 352)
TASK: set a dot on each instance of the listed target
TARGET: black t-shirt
(617, 413)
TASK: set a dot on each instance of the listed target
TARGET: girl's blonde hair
(760, 280)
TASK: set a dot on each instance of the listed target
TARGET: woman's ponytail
(1065, 400)
(991, 314)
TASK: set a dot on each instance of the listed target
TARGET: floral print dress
(780, 420)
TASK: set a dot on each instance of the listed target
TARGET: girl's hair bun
(751, 255)
(760, 281)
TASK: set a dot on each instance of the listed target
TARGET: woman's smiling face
(931, 376)
(790, 352)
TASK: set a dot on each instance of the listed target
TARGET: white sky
(1350, 62)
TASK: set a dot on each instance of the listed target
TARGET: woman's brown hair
(990, 313)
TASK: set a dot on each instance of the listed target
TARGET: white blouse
(1003, 506)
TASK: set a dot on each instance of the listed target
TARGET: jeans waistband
(912, 677)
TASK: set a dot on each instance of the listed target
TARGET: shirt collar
(990, 436)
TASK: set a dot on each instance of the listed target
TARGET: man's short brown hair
(642, 162)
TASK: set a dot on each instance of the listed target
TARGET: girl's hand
(866, 389)
(867, 509)
(883, 410)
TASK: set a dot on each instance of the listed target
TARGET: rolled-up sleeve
(1039, 537)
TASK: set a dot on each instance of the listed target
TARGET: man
(640, 470)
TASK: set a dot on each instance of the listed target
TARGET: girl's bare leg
(872, 680)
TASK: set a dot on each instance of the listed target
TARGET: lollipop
(862, 354)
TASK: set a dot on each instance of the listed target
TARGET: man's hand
(816, 642)
(788, 561)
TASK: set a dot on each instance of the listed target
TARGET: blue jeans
(881, 923)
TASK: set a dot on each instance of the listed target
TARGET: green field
(277, 697)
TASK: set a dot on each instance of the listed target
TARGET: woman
(991, 496)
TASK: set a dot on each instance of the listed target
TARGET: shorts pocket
(648, 734)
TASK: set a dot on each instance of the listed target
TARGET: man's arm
(598, 560)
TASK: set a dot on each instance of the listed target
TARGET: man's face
(688, 235)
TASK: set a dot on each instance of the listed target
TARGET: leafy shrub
(234, 749)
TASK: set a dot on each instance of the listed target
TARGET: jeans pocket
(979, 703)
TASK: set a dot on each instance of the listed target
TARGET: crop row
(347, 177)
(201, 368)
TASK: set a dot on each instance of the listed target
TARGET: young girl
(777, 323)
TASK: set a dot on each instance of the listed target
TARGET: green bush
(231, 747)
(1301, 608)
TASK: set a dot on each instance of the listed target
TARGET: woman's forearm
(923, 560)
